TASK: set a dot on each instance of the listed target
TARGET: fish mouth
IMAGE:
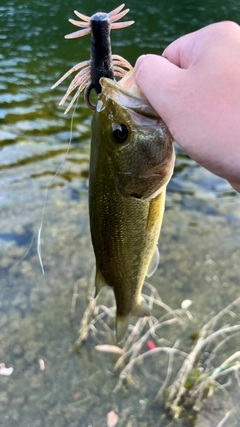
(136, 195)
(128, 95)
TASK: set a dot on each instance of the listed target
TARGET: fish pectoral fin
(153, 263)
(100, 282)
(122, 323)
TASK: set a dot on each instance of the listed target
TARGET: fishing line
(43, 210)
(46, 192)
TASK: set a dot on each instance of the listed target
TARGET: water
(199, 242)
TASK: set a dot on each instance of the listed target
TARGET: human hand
(195, 88)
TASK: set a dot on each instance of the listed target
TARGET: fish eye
(120, 132)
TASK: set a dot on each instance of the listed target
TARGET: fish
(131, 162)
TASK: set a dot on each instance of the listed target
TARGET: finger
(161, 87)
(188, 49)
(182, 52)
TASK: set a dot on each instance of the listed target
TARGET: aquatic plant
(200, 371)
(198, 377)
(98, 319)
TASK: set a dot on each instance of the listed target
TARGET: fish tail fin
(122, 323)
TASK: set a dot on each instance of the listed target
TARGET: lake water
(44, 161)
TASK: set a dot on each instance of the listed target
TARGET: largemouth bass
(132, 160)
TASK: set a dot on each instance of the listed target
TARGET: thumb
(162, 83)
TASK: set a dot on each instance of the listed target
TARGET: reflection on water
(44, 169)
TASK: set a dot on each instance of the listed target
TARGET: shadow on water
(199, 242)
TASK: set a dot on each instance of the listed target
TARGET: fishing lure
(102, 63)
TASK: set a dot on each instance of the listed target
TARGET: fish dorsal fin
(100, 282)
(154, 263)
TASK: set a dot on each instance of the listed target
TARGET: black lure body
(101, 51)
(102, 63)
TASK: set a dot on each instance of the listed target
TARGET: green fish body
(132, 160)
